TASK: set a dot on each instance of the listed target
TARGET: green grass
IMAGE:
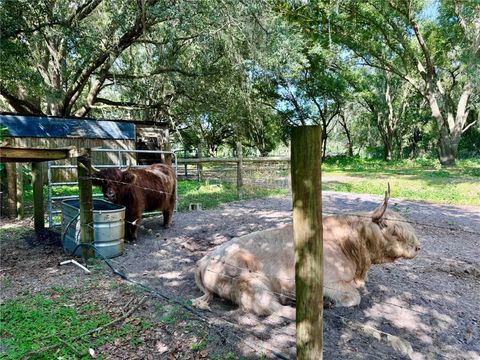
(209, 195)
(356, 165)
(14, 233)
(420, 179)
(212, 195)
(31, 323)
(58, 191)
(410, 179)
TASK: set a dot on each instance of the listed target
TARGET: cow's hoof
(199, 303)
(349, 299)
(328, 304)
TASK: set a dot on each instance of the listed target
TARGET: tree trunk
(324, 144)
(387, 148)
(447, 149)
(452, 126)
(350, 147)
(343, 123)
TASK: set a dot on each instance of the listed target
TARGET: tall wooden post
(307, 227)
(37, 184)
(84, 167)
(19, 204)
(11, 189)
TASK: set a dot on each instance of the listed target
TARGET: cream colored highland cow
(257, 271)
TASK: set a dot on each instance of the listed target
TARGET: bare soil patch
(425, 308)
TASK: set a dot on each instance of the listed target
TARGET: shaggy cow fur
(257, 271)
(149, 189)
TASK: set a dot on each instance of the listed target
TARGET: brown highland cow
(148, 189)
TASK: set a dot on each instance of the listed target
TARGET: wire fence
(402, 346)
(361, 215)
(396, 342)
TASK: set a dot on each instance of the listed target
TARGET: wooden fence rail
(238, 173)
(233, 160)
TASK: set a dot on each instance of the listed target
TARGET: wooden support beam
(84, 167)
(12, 154)
(37, 183)
(19, 200)
(307, 226)
(11, 189)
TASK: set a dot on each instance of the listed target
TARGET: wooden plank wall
(97, 158)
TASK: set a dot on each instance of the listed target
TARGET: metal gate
(54, 201)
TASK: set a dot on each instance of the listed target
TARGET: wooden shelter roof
(55, 127)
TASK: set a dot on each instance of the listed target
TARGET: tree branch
(107, 57)
(20, 106)
(430, 72)
(128, 104)
(113, 76)
(84, 10)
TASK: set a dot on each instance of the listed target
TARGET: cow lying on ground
(139, 190)
(257, 271)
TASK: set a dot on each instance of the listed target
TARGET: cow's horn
(129, 166)
(378, 213)
(94, 169)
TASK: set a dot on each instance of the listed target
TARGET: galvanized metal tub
(108, 227)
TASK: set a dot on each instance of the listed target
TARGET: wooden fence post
(186, 165)
(84, 167)
(19, 199)
(168, 158)
(199, 165)
(37, 184)
(307, 226)
(239, 170)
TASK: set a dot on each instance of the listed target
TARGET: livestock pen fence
(242, 173)
(218, 322)
(115, 158)
(223, 326)
(255, 172)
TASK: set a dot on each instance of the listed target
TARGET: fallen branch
(96, 330)
(77, 353)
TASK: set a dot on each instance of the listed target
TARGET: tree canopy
(228, 71)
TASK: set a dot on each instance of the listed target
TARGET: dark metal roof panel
(45, 127)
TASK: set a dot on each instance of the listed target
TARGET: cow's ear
(128, 177)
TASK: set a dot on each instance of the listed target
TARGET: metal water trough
(108, 227)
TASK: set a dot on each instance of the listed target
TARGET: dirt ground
(425, 308)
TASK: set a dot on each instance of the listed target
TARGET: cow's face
(110, 190)
(111, 182)
(401, 240)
